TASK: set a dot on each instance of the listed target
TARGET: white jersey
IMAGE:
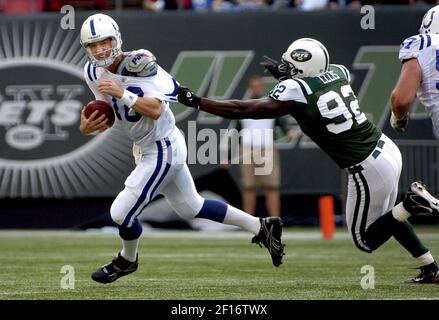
(424, 47)
(142, 130)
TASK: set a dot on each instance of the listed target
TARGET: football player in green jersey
(318, 95)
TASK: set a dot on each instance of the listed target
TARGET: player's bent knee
(116, 216)
(362, 244)
(187, 209)
(363, 249)
(118, 211)
(122, 205)
(372, 244)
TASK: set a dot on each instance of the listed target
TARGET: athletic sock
(129, 250)
(239, 218)
(425, 259)
(400, 213)
(130, 239)
(221, 212)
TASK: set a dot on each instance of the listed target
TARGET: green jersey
(327, 111)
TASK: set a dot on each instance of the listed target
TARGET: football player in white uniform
(139, 91)
(318, 95)
(419, 74)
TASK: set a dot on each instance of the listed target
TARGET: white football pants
(162, 170)
(372, 189)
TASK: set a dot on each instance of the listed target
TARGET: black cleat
(429, 274)
(419, 200)
(112, 271)
(270, 236)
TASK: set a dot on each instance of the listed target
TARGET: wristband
(129, 99)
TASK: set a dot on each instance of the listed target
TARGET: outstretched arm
(236, 109)
(263, 108)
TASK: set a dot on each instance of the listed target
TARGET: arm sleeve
(162, 86)
(411, 47)
(288, 90)
(91, 78)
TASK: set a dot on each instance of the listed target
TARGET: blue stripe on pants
(167, 167)
(148, 185)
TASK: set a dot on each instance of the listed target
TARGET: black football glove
(272, 66)
(188, 98)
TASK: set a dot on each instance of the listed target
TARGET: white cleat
(419, 200)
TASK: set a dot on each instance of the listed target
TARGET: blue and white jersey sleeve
(91, 76)
(412, 47)
(161, 86)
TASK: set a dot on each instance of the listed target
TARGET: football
(103, 108)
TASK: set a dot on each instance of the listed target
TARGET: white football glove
(399, 124)
(142, 62)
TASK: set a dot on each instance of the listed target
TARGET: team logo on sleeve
(300, 55)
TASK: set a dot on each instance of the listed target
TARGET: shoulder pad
(142, 63)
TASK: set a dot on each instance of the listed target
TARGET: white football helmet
(100, 27)
(430, 22)
(305, 57)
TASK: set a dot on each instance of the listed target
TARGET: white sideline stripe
(152, 233)
(185, 256)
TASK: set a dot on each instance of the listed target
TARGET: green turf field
(194, 265)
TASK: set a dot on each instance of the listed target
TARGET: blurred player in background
(419, 74)
(139, 91)
(318, 95)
